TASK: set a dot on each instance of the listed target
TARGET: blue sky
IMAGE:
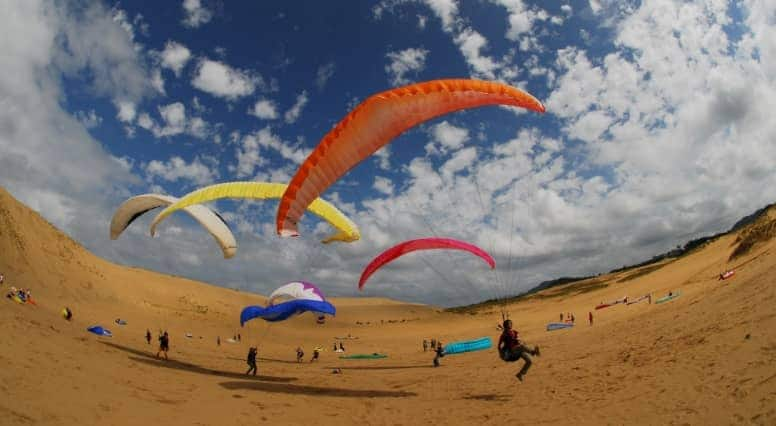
(658, 129)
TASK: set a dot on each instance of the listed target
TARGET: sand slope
(688, 361)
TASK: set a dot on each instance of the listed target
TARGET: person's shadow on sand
(146, 358)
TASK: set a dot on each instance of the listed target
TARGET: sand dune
(708, 356)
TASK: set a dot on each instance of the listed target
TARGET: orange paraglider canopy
(377, 121)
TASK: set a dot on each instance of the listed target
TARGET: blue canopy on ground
(96, 329)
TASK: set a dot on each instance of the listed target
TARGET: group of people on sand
(316, 354)
(433, 342)
(569, 318)
(341, 347)
(23, 294)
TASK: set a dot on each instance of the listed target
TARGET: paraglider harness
(512, 348)
(510, 352)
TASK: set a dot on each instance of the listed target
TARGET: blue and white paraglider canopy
(285, 310)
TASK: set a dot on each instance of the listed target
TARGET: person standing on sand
(425, 345)
(511, 348)
(164, 345)
(2, 278)
(218, 340)
(316, 353)
(252, 352)
(440, 352)
(299, 354)
(590, 317)
(433, 344)
(148, 336)
(561, 317)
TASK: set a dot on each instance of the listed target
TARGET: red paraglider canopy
(421, 244)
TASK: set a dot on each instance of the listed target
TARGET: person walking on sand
(425, 345)
(316, 353)
(511, 348)
(148, 336)
(590, 317)
(440, 352)
(561, 317)
(433, 344)
(299, 354)
(218, 340)
(342, 348)
(252, 351)
(164, 345)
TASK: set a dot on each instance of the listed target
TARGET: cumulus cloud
(174, 116)
(383, 185)
(157, 81)
(403, 62)
(175, 56)
(295, 111)
(126, 111)
(90, 119)
(221, 80)
(249, 155)
(194, 14)
(447, 137)
(178, 169)
(49, 161)
(264, 109)
(174, 121)
(383, 156)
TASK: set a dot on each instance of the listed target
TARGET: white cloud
(324, 73)
(459, 161)
(595, 6)
(157, 81)
(175, 56)
(383, 156)
(221, 80)
(422, 21)
(174, 116)
(126, 111)
(383, 184)
(145, 121)
(194, 14)
(296, 110)
(174, 121)
(248, 156)
(447, 11)
(90, 119)
(448, 137)
(566, 9)
(403, 62)
(177, 169)
(49, 161)
(249, 152)
(264, 109)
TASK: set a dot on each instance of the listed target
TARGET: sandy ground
(708, 356)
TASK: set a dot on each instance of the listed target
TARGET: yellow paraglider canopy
(347, 231)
